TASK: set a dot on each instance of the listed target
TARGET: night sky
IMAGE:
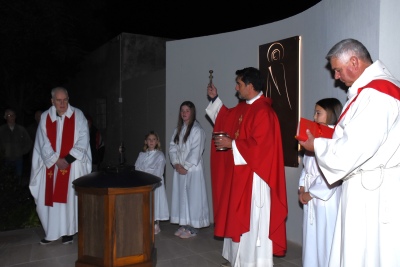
(43, 41)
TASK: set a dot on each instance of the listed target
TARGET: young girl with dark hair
(189, 207)
(320, 199)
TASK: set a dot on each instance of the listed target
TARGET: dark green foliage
(17, 206)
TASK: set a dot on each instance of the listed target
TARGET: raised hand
(211, 91)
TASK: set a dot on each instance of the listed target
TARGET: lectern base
(116, 219)
(152, 263)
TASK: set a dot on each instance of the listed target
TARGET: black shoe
(67, 239)
(45, 242)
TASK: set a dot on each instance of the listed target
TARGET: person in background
(364, 153)
(14, 144)
(189, 207)
(32, 128)
(152, 160)
(248, 179)
(320, 199)
(61, 155)
(96, 144)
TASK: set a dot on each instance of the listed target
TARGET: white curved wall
(372, 22)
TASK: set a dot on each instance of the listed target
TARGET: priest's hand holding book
(308, 130)
(309, 143)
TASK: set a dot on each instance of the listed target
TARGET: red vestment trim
(58, 192)
(382, 86)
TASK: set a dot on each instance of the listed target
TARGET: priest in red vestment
(248, 178)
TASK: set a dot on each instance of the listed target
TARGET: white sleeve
(213, 108)
(237, 157)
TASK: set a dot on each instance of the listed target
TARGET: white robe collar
(377, 70)
(53, 112)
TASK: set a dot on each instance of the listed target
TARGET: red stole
(382, 86)
(58, 192)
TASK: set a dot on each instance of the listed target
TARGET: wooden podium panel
(115, 225)
(93, 215)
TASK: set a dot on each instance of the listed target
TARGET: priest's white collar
(254, 98)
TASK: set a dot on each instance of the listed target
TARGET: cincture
(368, 178)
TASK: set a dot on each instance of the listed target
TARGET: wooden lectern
(116, 218)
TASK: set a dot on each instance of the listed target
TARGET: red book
(317, 129)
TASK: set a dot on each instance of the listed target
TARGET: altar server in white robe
(189, 207)
(320, 199)
(152, 160)
(365, 153)
(61, 154)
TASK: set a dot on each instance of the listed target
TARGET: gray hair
(349, 47)
(54, 90)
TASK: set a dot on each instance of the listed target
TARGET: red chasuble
(58, 191)
(256, 131)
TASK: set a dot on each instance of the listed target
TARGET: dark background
(42, 42)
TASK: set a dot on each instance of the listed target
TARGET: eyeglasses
(60, 101)
(10, 115)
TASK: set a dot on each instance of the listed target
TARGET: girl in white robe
(189, 207)
(321, 200)
(152, 160)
